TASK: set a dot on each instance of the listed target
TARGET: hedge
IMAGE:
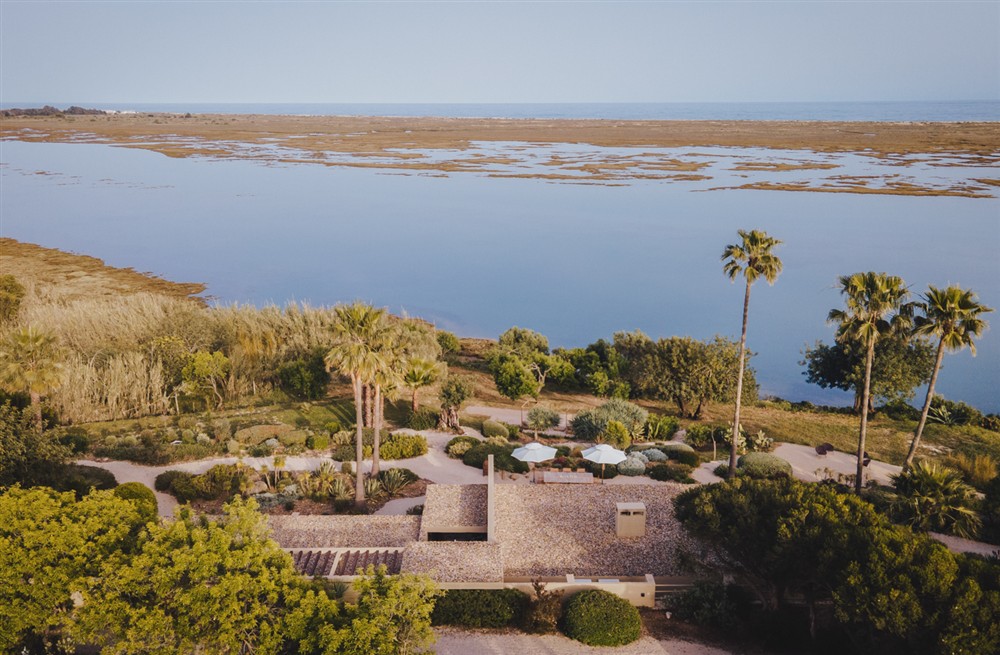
(600, 618)
(671, 472)
(764, 466)
(480, 608)
(686, 457)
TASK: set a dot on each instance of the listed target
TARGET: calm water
(970, 110)
(477, 255)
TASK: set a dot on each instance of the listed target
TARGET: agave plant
(306, 484)
(930, 497)
(340, 490)
(373, 488)
(393, 480)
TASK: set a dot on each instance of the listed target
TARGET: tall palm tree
(953, 315)
(420, 373)
(753, 259)
(871, 299)
(354, 356)
(30, 361)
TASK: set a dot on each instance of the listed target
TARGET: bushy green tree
(541, 418)
(521, 363)
(193, 586)
(682, 370)
(392, 615)
(305, 377)
(591, 424)
(205, 374)
(50, 545)
(26, 455)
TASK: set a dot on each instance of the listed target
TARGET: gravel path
(464, 642)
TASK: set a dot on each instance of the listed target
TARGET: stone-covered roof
(455, 561)
(453, 505)
(559, 529)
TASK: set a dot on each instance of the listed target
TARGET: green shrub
(655, 455)
(304, 378)
(458, 446)
(401, 445)
(632, 466)
(333, 427)
(79, 478)
(448, 342)
(141, 496)
(542, 418)
(493, 428)
(600, 618)
(686, 457)
(671, 472)
(675, 445)
(661, 427)
(422, 419)
(616, 434)
(502, 459)
(591, 424)
(700, 436)
(319, 441)
(166, 479)
(294, 438)
(610, 471)
(764, 466)
(709, 604)
(480, 608)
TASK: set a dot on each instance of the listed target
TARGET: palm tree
(420, 373)
(870, 298)
(953, 315)
(30, 361)
(354, 356)
(753, 259)
(930, 497)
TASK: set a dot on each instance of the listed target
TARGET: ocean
(958, 110)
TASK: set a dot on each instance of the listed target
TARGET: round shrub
(610, 471)
(686, 457)
(675, 446)
(700, 436)
(319, 441)
(460, 445)
(141, 496)
(480, 608)
(671, 472)
(164, 480)
(764, 465)
(655, 455)
(493, 428)
(639, 454)
(401, 445)
(632, 467)
(599, 618)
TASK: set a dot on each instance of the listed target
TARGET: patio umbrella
(534, 452)
(603, 454)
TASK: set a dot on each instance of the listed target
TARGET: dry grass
(57, 276)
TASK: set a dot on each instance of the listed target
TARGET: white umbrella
(603, 454)
(534, 452)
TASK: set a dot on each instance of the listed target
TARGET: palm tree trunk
(366, 403)
(739, 383)
(927, 407)
(376, 425)
(36, 406)
(413, 404)
(859, 482)
(359, 452)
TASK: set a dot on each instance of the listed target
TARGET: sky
(504, 52)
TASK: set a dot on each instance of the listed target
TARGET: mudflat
(548, 149)
(374, 134)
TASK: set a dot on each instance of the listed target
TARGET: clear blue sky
(91, 52)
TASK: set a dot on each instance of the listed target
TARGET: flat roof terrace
(546, 530)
